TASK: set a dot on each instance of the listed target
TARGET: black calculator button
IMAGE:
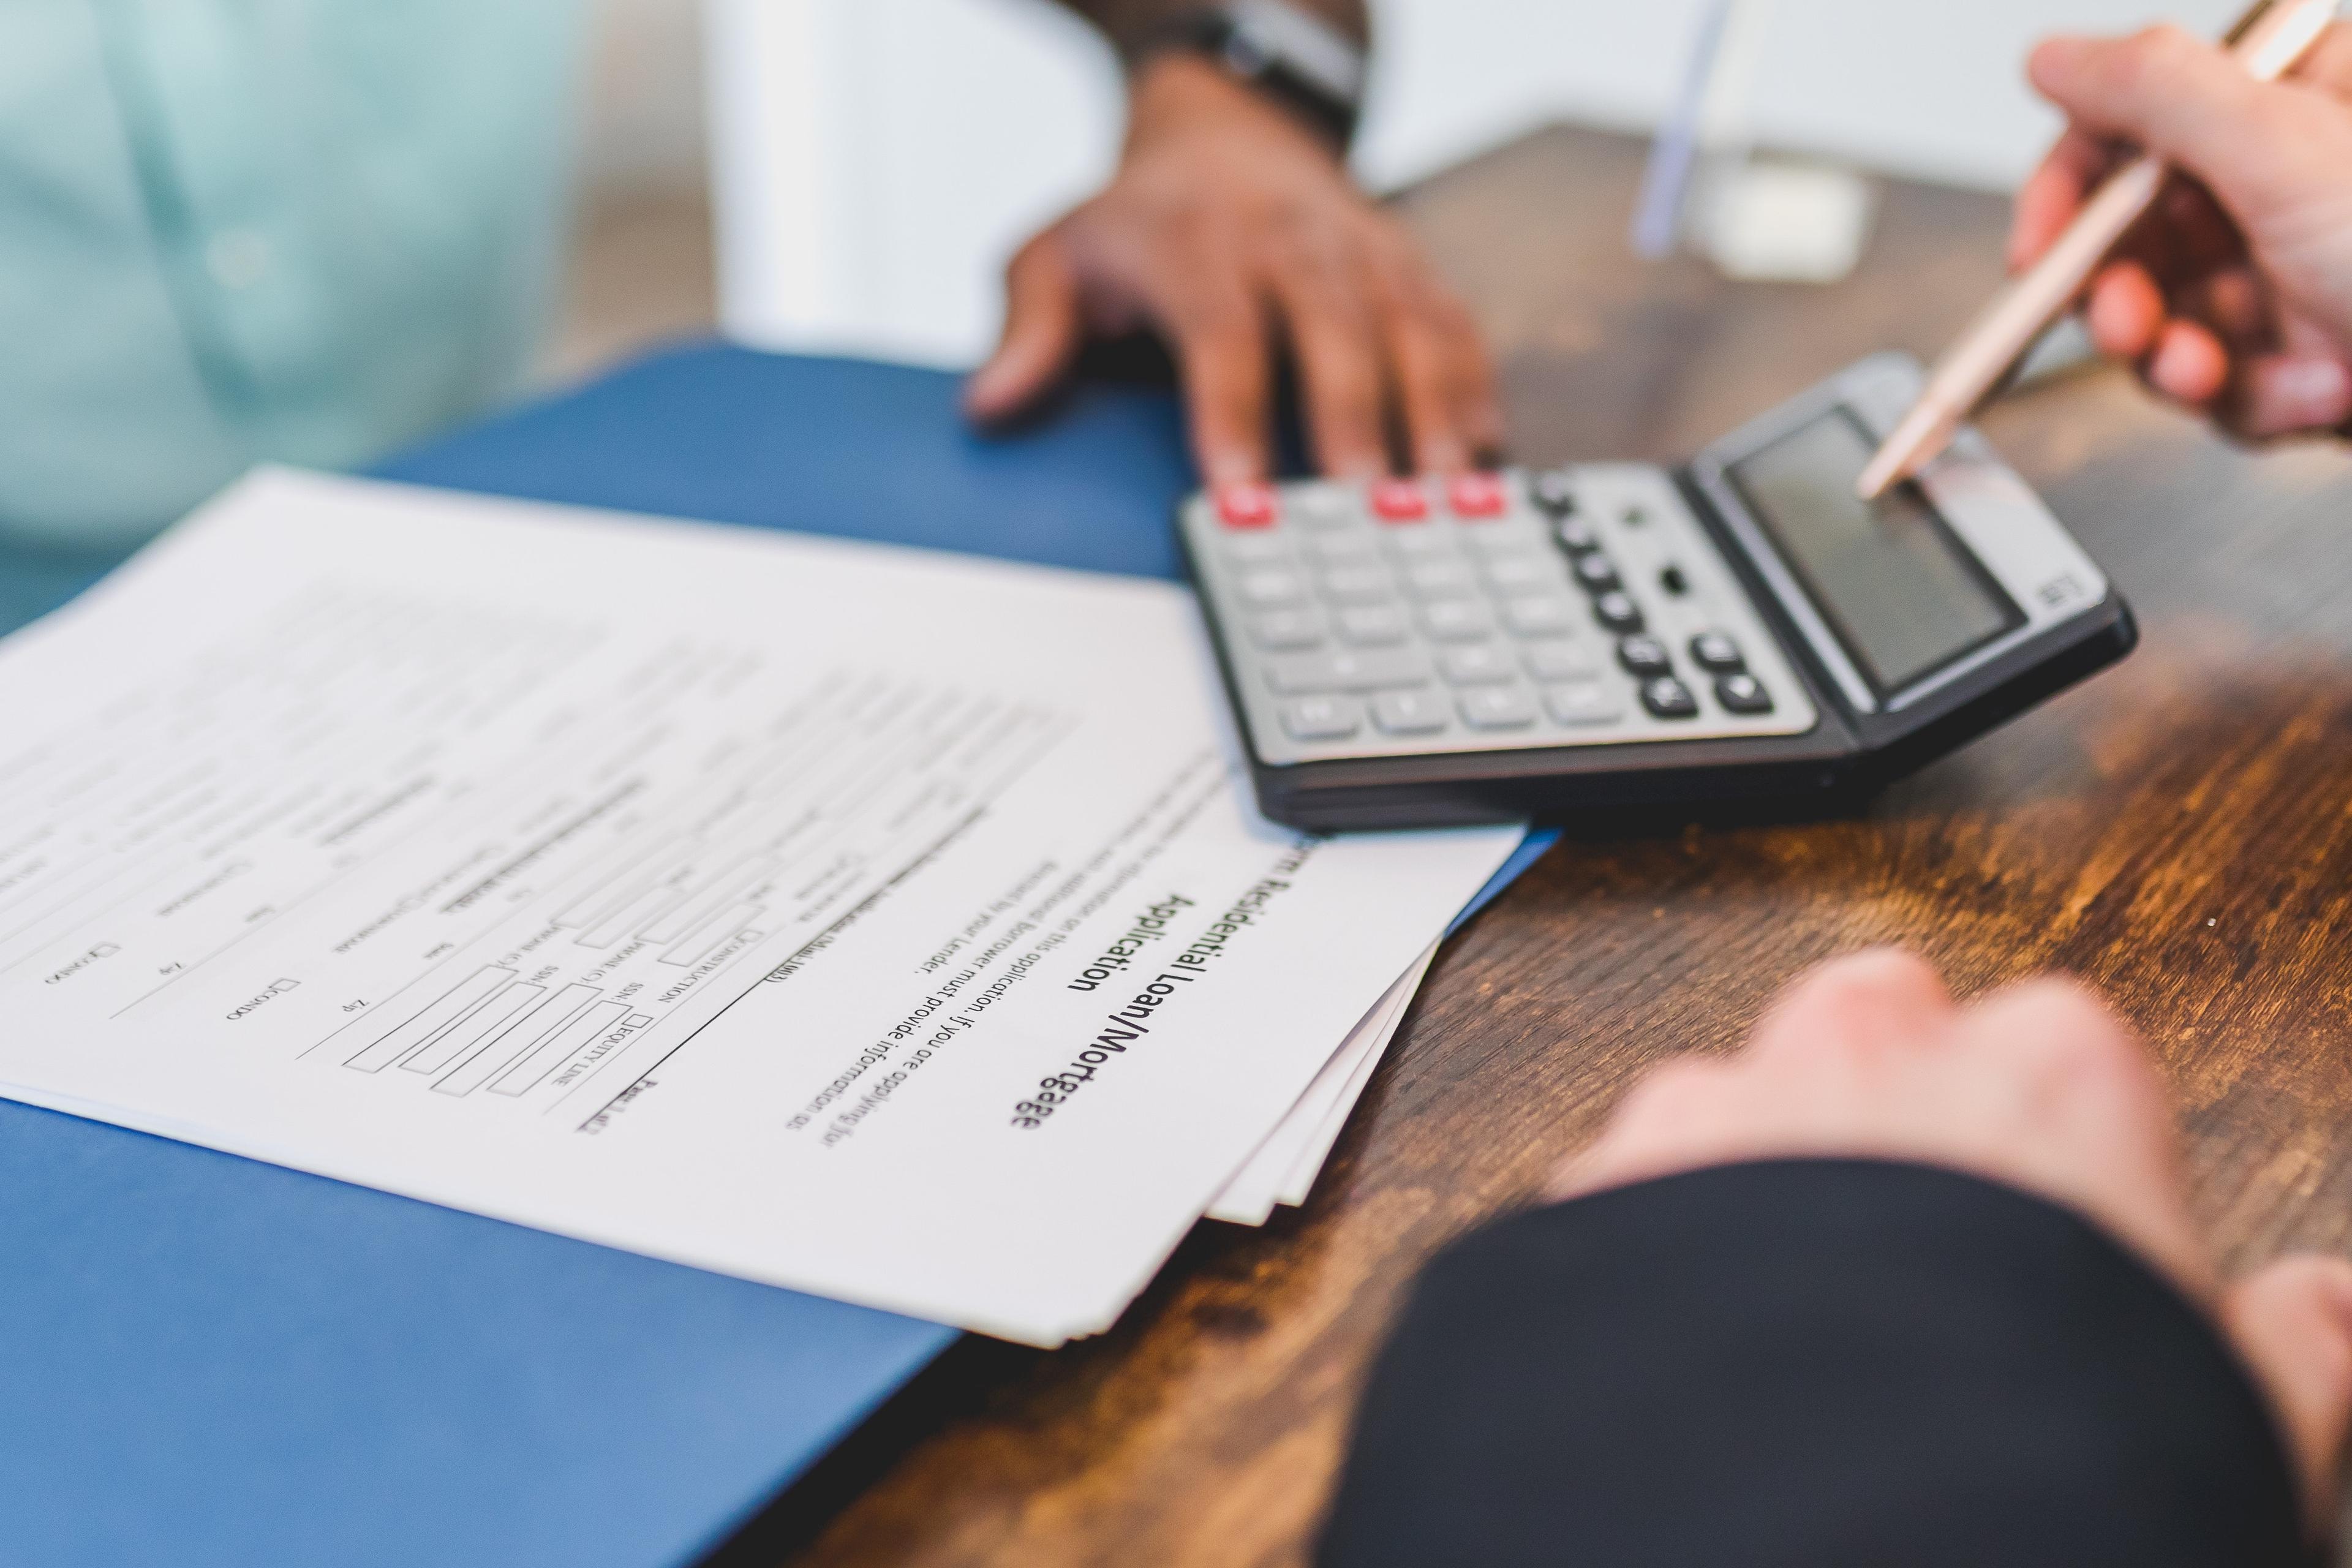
(1286, 631)
(1554, 493)
(1579, 704)
(1645, 656)
(1499, 708)
(1323, 718)
(1716, 652)
(1597, 572)
(1618, 611)
(1667, 698)
(1480, 664)
(1576, 536)
(1743, 694)
(1374, 625)
(1409, 713)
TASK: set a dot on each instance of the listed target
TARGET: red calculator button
(1248, 506)
(1478, 495)
(1400, 500)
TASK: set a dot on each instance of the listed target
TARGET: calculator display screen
(1901, 592)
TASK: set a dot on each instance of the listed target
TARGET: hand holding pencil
(2236, 295)
(2204, 208)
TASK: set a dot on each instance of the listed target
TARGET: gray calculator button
(1509, 538)
(1560, 661)
(1283, 631)
(1667, 698)
(1538, 616)
(1743, 694)
(1716, 652)
(1270, 588)
(1310, 674)
(1554, 492)
(1353, 548)
(1257, 550)
(1597, 572)
(1580, 703)
(1455, 620)
(1357, 585)
(1499, 708)
(1322, 718)
(1645, 656)
(1409, 713)
(1324, 508)
(1374, 625)
(1517, 573)
(1438, 579)
(1420, 543)
(1479, 664)
(1618, 611)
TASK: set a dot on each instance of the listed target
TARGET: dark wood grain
(2180, 831)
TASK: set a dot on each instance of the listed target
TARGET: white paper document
(1284, 1168)
(885, 925)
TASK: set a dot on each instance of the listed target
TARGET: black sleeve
(1812, 1363)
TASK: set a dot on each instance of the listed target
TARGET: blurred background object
(641, 267)
(1768, 218)
(868, 165)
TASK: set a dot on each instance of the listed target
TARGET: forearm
(1807, 1362)
(1128, 22)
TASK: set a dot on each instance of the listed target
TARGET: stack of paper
(888, 925)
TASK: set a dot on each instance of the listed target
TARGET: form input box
(435, 1015)
(557, 1046)
(477, 1027)
(700, 943)
(517, 1038)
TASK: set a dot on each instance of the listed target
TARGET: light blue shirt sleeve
(237, 230)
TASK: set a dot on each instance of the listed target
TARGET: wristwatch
(1285, 51)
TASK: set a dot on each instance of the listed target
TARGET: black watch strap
(1284, 51)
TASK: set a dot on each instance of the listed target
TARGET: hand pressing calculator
(1548, 645)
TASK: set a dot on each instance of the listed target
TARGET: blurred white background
(868, 165)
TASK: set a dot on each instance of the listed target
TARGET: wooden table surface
(2178, 831)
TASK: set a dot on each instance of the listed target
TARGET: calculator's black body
(1848, 752)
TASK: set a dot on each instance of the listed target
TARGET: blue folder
(205, 1360)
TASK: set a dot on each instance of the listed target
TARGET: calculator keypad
(1492, 613)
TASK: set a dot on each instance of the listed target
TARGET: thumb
(1042, 333)
(2257, 146)
(2292, 1323)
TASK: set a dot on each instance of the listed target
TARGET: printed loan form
(885, 925)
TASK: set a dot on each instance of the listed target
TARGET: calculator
(1548, 645)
